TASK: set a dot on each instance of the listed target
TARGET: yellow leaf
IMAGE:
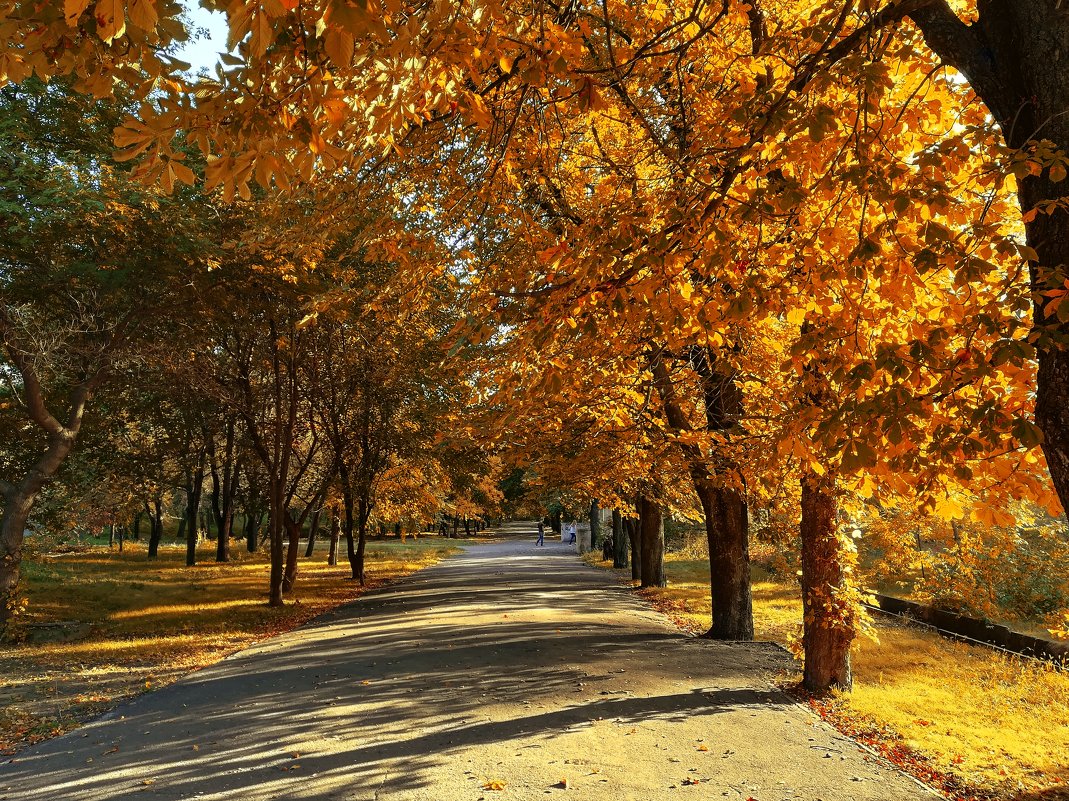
(1057, 172)
(340, 46)
(111, 21)
(506, 64)
(494, 784)
(143, 14)
(72, 10)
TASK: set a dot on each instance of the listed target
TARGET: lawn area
(129, 625)
(996, 724)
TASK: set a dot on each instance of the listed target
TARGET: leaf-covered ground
(969, 720)
(103, 626)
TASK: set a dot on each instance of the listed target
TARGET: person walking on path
(541, 534)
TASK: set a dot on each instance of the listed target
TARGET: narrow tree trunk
(651, 528)
(137, 527)
(335, 532)
(619, 540)
(631, 524)
(252, 529)
(456, 527)
(595, 524)
(111, 535)
(364, 512)
(194, 489)
(276, 514)
(828, 614)
(293, 549)
(313, 527)
(467, 527)
(397, 530)
(350, 538)
(122, 537)
(155, 532)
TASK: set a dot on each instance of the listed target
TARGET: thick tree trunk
(724, 508)
(349, 502)
(276, 514)
(16, 514)
(651, 539)
(456, 526)
(467, 528)
(828, 614)
(727, 533)
(335, 532)
(619, 540)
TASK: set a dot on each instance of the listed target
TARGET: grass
(127, 625)
(970, 718)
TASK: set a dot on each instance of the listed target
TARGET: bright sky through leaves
(202, 52)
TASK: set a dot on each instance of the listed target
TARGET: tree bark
(828, 621)
(724, 508)
(595, 524)
(194, 488)
(631, 524)
(313, 527)
(335, 532)
(155, 515)
(651, 538)
(293, 549)
(727, 533)
(619, 540)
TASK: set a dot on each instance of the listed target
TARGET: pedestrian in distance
(541, 534)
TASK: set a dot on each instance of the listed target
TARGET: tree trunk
(137, 527)
(335, 532)
(631, 524)
(828, 613)
(155, 532)
(349, 502)
(397, 530)
(619, 540)
(313, 527)
(467, 528)
(456, 525)
(293, 550)
(651, 536)
(194, 488)
(122, 537)
(276, 514)
(111, 535)
(727, 533)
(364, 512)
(595, 524)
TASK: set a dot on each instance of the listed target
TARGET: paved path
(507, 663)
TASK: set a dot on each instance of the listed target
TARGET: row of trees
(213, 354)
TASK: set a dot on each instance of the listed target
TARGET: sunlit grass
(997, 721)
(128, 624)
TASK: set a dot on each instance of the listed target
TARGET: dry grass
(996, 723)
(131, 625)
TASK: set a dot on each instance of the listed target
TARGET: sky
(203, 53)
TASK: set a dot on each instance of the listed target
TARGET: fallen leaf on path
(690, 781)
(564, 784)
(494, 784)
(703, 748)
